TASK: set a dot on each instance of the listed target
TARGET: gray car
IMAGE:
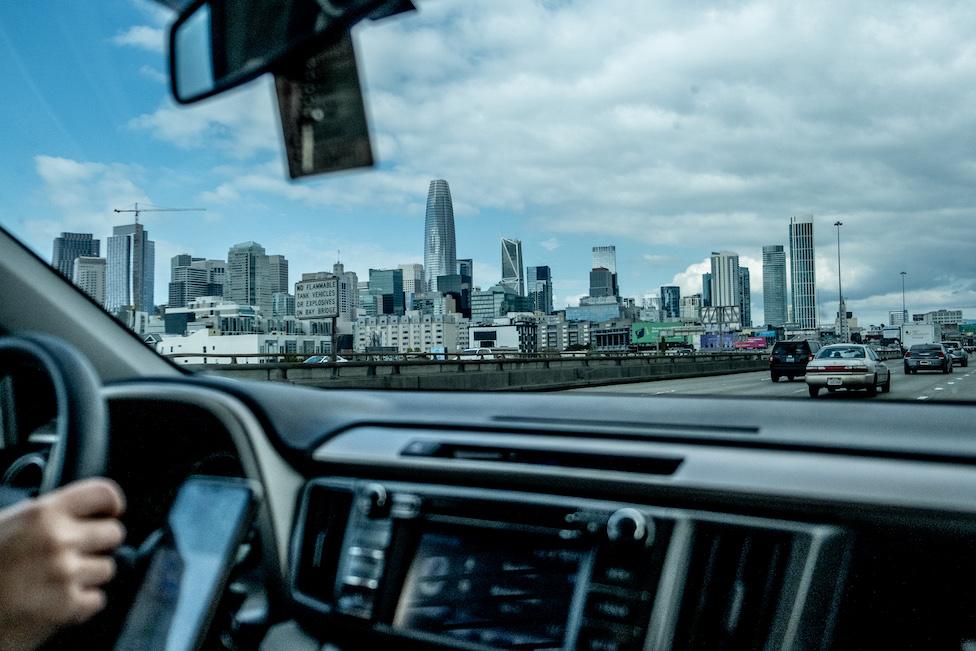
(928, 357)
(849, 367)
(959, 356)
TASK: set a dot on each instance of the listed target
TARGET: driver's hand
(54, 558)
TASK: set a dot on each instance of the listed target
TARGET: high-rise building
(88, 274)
(348, 291)
(745, 298)
(456, 286)
(387, 285)
(130, 269)
(603, 282)
(512, 267)
(466, 268)
(725, 279)
(670, 303)
(706, 290)
(496, 301)
(691, 308)
(539, 285)
(440, 247)
(186, 284)
(803, 277)
(68, 246)
(249, 277)
(278, 273)
(282, 304)
(774, 284)
(413, 278)
(605, 257)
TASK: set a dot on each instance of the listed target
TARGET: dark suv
(790, 358)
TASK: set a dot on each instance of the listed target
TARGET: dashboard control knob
(629, 525)
(374, 502)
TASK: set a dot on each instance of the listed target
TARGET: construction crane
(137, 210)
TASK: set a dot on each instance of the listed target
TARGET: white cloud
(550, 244)
(143, 37)
(153, 74)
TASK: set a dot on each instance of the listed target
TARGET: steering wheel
(80, 447)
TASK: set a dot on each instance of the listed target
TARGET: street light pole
(904, 312)
(841, 312)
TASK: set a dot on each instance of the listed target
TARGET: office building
(387, 285)
(518, 333)
(411, 333)
(88, 274)
(278, 273)
(690, 308)
(413, 278)
(706, 290)
(803, 277)
(348, 287)
(774, 284)
(670, 303)
(497, 301)
(512, 267)
(939, 317)
(539, 286)
(187, 283)
(745, 298)
(282, 304)
(725, 279)
(896, 318)
(130, 269)
(440, 247)
(557, 333)
(603, 282)
(466, 268)
(68, 247)
(249, 277)
(605, 257)
(458, 287)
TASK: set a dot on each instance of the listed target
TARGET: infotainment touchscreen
(503, 590)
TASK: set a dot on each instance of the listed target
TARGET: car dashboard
(476, 521)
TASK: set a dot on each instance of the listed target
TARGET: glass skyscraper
(512, 265)
(670, 303)
(69, 246)
(130, 274)
(803, 277)
(540, 288)
(745, 298)
(605, 257)
(440, 246)
(774, 284)
(249, 277)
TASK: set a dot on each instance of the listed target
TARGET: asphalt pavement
(926, 385)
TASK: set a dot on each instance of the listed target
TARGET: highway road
(931, 385)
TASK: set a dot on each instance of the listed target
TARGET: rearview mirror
(216, 45)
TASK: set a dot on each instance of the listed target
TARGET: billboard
(317, 299)
(711, 340)
(649, 332)
(750, 343)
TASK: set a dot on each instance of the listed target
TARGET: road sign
(317, 299)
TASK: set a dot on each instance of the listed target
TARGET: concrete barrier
(494, 375)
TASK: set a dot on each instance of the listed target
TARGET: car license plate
(834, 382)
(789, 358)
(925, 362)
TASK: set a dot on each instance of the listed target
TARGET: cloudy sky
(669, 129)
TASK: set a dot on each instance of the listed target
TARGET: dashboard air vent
(735, 579)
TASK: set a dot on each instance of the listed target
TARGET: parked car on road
(847, 366)
(927, 357)
(790, 358)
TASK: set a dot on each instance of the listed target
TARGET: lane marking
(939, 389)
(950, 383)
(922, 398)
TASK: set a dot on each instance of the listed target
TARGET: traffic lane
(958, 385)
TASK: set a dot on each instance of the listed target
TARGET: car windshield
(841, 352)
(573, 185)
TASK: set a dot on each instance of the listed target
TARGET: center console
(476, 569)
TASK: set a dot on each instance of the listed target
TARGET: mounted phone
(188, 571)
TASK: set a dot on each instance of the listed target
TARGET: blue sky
(667, 130)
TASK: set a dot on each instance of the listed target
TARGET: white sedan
(847, 366)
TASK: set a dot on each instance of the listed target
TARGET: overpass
(524, 373)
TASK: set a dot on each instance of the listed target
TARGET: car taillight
(941, 355)
(907, 354)
(771, 359)
(809, 358)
